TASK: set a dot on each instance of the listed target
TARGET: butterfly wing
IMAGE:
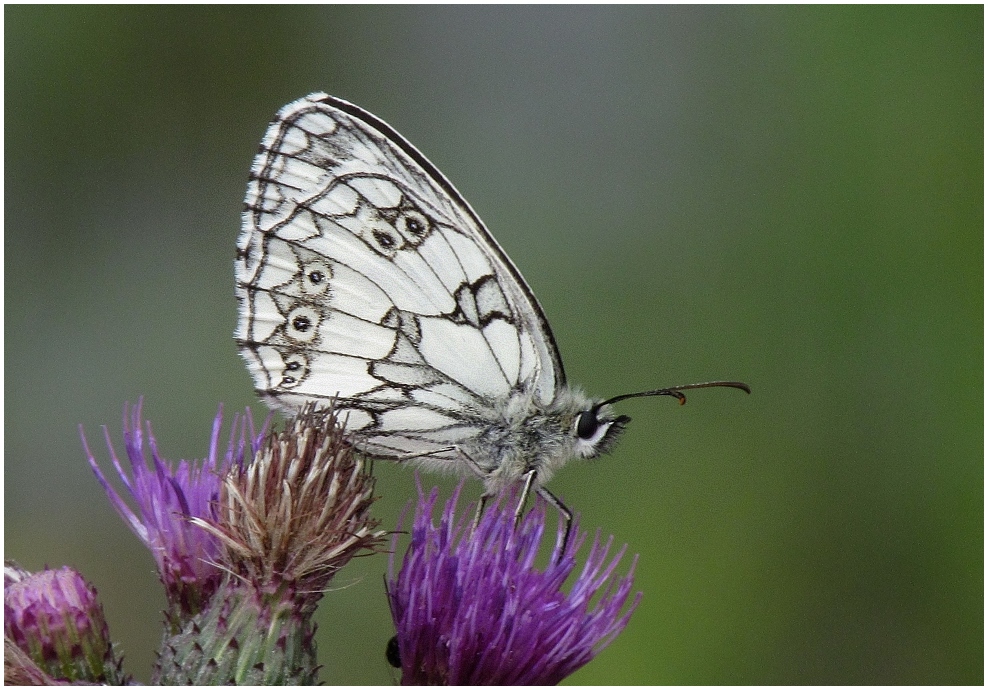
(362, 274)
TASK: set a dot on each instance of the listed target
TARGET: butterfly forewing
(362, 274)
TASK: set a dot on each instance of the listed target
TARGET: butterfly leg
(473, 464)
(564, 514)
(481, 504)
(526, 489)
(485, 497)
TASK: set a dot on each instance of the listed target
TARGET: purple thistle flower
(168, 496)
(473, 608)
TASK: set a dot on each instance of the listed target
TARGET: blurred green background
(788, 196)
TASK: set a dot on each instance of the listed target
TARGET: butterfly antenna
(677, 391)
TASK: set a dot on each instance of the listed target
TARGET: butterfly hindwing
(362, 273)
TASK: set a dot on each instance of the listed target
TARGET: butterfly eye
(587, 425)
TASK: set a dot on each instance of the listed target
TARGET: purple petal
(474, 608)
(163, 497)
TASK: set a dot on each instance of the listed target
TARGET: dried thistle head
(301, 510)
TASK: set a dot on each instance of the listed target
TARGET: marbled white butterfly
(362, 276)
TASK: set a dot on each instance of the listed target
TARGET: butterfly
(365, 280)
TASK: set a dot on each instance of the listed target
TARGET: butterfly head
(596, 429)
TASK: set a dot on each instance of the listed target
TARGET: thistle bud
(54, 618)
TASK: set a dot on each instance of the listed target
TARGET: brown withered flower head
(301, 510)
(285, 523)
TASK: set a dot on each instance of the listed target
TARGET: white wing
(362, 274)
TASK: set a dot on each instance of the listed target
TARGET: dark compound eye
(586, 425)
(391, 652)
